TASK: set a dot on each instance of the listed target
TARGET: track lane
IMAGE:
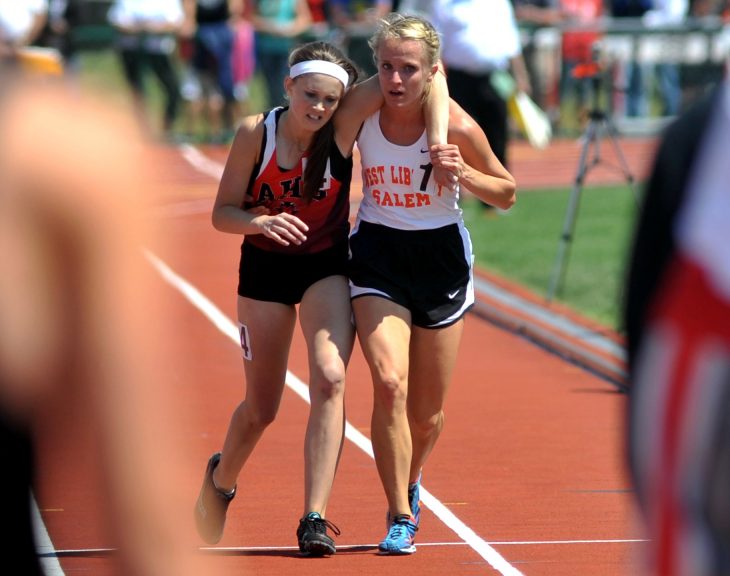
(531, 451)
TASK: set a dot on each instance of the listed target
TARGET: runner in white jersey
(411, 261)
(399, 190)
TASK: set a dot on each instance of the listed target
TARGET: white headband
(320, 67)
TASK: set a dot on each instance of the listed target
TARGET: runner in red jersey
(286, 189)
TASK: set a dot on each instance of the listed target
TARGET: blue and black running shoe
(401, 536)
(414, 499)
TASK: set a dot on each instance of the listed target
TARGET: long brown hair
(319, 147)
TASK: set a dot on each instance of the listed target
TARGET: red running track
(528, 476)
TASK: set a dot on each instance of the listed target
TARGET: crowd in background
(207, 54)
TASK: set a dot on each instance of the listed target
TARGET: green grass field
(521, 244)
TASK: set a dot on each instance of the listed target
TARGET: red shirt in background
(578, 44)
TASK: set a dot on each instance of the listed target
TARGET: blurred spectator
(423, 8)
(581, 58)
(541, 20)
(21, 23)
(539, 12)
(665, 13)
(634, 72)
(320, 28)
(84, 331)
(202, 116)
(63, 18)
(148, 40)
(358, 19)
(212, 25)
(244, 63)
(202, 101)
(705, 8)
(278, 24)
(696, 77)
(677, 316)
(638, 77)
(480, 47)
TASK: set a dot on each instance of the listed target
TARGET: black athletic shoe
(212, 505)
(312, 535)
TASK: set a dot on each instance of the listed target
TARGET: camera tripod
(599, 123)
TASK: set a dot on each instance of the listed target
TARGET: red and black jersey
(280, 190)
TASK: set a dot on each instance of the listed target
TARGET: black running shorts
(429, 272)
(279, 277)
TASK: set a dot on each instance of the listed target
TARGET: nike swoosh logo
(453, 294)
(424, 151)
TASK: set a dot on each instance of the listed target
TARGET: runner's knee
(330, 382)
(390, 391)
(426, 426)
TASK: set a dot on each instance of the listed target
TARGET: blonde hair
(399, 27)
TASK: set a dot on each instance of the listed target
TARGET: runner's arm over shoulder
(360, 102)
(436, 114)
(436, 108)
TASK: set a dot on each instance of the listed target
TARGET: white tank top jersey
(399, 190)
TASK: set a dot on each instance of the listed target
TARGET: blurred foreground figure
(81, 329)
(678, 323)
(21, 22)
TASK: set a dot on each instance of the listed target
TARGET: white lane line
(423, 544)
(227, 327)
(245, 549)
(552, 542)
(201, 162)
(44, 547)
